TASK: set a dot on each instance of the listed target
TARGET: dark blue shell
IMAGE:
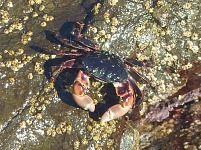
(105, 66)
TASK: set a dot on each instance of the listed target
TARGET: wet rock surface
(36, 114)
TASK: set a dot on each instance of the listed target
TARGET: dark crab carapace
(102, 66)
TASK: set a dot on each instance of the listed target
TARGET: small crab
(102, 66)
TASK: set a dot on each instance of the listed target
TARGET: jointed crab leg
(126, 93)
(69, 43)
(67, 64)
(138, 94)
(60, 52)
(82, 42)
(80, 84)
(132, 63)
(80, 38)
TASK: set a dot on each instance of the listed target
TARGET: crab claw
(125, 91)
(114, 112)
(84, 101)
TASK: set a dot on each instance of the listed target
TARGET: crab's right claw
(84, 101)
(114, 112)
(125, 91)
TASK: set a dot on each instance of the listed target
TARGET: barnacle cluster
(96, 8)
(112, 2)
(16, 58)
(25, 38)
(12, 24)
(37, 104)
(76, 145)
(102, 35)
(100, 133)
(167, 59)
(14, 63)
(61, 128)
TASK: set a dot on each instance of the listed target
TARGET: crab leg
(132, 63)
(60, 52)
(67, 64)
(138, 94)
(126, 93)
(80, 84)
(80, 38)
(68, 42)
(78, 41)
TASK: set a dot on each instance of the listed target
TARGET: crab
(102, 66)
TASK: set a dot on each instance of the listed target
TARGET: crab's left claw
(126, 93)
(84, 101)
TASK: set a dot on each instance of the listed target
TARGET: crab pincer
(126, 93)
(80, 84)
